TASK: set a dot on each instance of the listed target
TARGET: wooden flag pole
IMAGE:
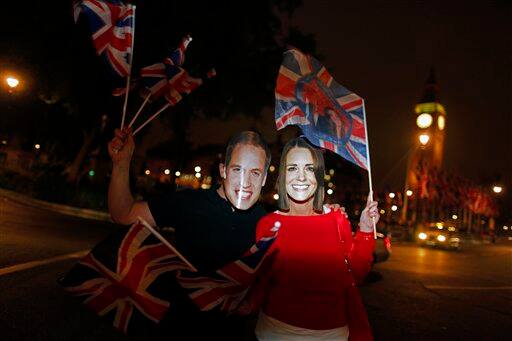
(152, 118)
(369, 166)
(166, 243)
(129, 72)
(140, 110)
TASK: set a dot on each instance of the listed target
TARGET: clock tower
(429, 131)
(427, 140)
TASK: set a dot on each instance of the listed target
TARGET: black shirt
(209, 233)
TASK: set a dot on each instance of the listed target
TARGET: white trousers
(270, 329)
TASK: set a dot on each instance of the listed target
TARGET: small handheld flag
(111, 23)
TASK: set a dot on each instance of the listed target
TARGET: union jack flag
(227, 287)
(329, 115)
(126, 279)
(168, 78)
(111, 23)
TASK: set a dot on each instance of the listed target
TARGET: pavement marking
(449, 287)
(36, 263)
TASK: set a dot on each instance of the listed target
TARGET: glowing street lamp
(408, 192)
(497, 189)
(12, 82)
(424, 138)
(391, 195)
(394, 208)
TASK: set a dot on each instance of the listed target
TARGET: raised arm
(122, 206)
(359, 248)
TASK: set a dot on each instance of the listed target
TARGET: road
(424, 294)
(430, 294)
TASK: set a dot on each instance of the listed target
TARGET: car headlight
(422, 236)
(441, 238)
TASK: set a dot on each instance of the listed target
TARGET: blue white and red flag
(329, 115)
(129, 279)
(125, 278)
(169, 78)
(111, 23)
(227, 287)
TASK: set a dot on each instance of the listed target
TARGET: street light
(409, 193)
(391, 195)
(12, 82)
(394, 208)
(497, 189)
(424, 138)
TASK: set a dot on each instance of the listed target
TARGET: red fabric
(308, 284)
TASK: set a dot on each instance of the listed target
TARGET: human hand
(369, 214)
(334, 207)
(121, 147)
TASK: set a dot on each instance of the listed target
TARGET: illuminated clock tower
(428, 138)
(430, 118)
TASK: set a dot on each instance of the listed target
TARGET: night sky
(383, 50)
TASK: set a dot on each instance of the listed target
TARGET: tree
(245, 46)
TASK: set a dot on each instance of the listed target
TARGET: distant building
(429, 132)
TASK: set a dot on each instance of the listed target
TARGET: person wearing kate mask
(308, 292)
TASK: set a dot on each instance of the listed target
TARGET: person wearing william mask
(212, 227)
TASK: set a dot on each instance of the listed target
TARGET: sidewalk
(63, 209)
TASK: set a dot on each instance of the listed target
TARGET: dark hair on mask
(250, 138)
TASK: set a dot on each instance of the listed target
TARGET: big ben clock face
(440, 122)
(424, 120)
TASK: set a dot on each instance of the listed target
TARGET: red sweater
(305, 285)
